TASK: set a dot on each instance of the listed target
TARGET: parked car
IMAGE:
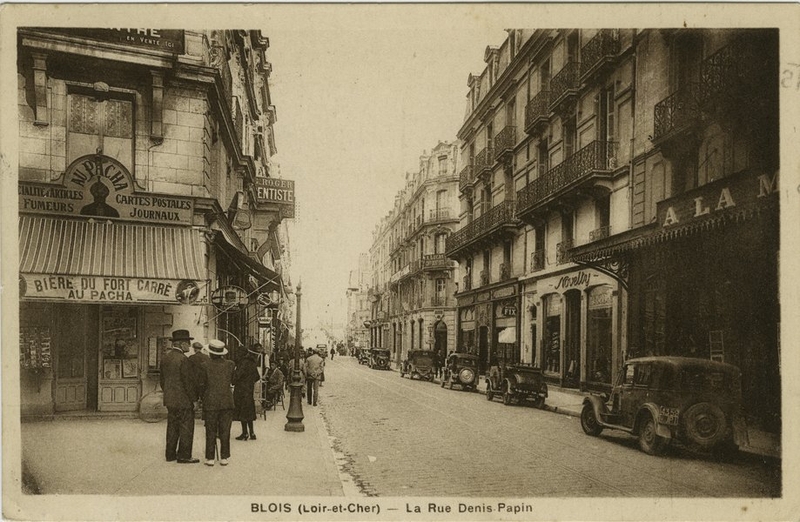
(322, 350)
(461, 369)
(420, 364)
(363, 356)
(379, 359)
(661, 399)
(516, 383)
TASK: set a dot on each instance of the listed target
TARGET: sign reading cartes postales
(274, 191)
(169, 40)
(100, 186)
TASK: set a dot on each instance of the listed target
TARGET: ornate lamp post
(294, 416)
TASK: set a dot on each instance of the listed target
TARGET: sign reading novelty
(98, 289)
(100, 186)
(276, 192)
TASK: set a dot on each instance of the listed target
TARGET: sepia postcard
(414, 261)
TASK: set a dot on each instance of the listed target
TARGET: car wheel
(649, 441)
(451, 385)
(538, 402)
(489, 394)
(704, 424)
(589, 421)
(507, 398)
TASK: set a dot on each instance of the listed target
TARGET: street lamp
(294, 416)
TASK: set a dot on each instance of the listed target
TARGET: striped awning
(105, 248)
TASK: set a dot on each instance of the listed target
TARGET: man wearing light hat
(218, 402)
(178, 385)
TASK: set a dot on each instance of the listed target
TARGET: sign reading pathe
(276, 192)
(100, 186)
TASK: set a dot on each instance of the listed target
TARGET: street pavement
(402, 437)
(377, 434)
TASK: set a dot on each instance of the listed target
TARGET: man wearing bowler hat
(178, 386)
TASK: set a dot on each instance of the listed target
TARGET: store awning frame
(267, 279)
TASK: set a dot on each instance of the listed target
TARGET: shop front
(105, 274)
(573, 321)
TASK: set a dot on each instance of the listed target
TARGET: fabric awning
(269, 279)
(106, 248)
(508, 335)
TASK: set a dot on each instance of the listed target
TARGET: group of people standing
(224, 389)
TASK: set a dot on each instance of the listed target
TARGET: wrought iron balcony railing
(483, 160)
(598, 51)
(499, 215)
(505, 141)
(595, 158)
(465, 178)
(676, 112)
(537, 111)
(562, 251)
(599, 233)
(736, 66)
(439, 214)
(564, 84)
(537, 260)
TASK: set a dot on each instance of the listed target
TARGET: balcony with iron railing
(437, 215)
(562, 251)
(737, 68)
(676, 113)
(537, 260)
(499, 218)
(597, 160)
(599, 52)
(483, 161)
(564, 85)
(537, 112)
(465, 178)
(600, 233)
(505, 141)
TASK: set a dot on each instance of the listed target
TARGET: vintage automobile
(661, 399)
(516, 383)
(363, 356)
(419, 364)
(379, 359)
(461, 369)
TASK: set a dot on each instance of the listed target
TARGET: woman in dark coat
(244, 379)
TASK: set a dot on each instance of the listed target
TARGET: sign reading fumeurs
(276, 192)
(100, 186)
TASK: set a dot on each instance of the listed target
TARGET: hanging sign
(275, 191)
(229, 298)
(100, 186)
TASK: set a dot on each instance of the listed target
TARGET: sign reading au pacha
(100, 186)
(170, 40)
(100, 289)
(276, 192)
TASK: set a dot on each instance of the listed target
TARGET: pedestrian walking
(333, 352)
(179, 388)
(437, 363)
(245, 378)
(218, 403)
(314, 367)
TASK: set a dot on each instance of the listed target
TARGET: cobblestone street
(407, 438)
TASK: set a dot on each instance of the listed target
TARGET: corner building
(140, 156)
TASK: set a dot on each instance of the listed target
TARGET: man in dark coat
(198, 361)
(178, 386)
(218, 402)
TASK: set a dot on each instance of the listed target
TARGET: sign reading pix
(99, 289)
(274, 191)
(100, 186)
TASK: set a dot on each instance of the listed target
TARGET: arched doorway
(440, 338)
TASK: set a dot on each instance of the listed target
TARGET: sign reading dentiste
(274, 191)
(100, 186)
(101, 289)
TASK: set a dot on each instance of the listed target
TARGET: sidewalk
(119, 456)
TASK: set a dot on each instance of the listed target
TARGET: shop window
(599, 334)
(119, 344)
(552, 334)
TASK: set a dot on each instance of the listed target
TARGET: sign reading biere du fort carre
(99, 186)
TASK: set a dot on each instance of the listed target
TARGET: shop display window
(599, 335)
(119, 344)
(552, 334)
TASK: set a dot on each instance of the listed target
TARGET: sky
(356, 109)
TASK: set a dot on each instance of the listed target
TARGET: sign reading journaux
(100, 186)
(274, 191)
